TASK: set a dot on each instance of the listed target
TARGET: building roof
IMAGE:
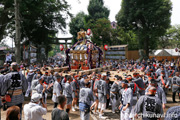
(117, 46)
(165, 52)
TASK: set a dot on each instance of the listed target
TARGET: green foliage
(97, 10)
(171, 39)
(101, 29)
(6, 16)
(149, 19)
(40, 19)
(76, 24)
(119, 37)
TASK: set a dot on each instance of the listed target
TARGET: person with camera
(32, 110)
(13, 88)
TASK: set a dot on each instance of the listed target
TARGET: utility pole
(18, 32)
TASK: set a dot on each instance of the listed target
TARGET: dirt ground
(108, 113)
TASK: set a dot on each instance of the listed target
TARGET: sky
(114, 6)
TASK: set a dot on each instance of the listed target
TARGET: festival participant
(95, 93)
(32, 110)
(63, 82)
(149, 106)
(126, 101)
(75, 94)
(114, 93)
(175, 86)
(108, 92)
(164, 82)
(42, 89)
(159, 92)
(59, 113)
(1, 84)
(140, 84)
(29, 79)
(57, 90)
(14, 85)
(68, 93)
(102, 95)
(173, 113)
(135, 90)
(38, 72)
(34, 83)
(85, 98)
(81, 82)
(171, 72)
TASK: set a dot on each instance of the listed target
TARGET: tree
(76, 24)
(171, 38)
(40, 20)
(97, 10)
(6, 16)
(101, 29)
(97, 21)
(119, 36)
(149, 19)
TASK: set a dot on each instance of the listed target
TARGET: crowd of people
(132, 93)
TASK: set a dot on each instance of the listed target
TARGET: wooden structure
(79, 57)
(168, 54)
(84, 55)
(118, 52)
(56, 41)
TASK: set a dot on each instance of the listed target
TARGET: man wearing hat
(85, 98)
(75, 94)
(149, 106)
(57, 90)
(33, 111)
(159, 91)
(126, 101)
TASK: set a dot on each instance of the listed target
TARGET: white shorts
(102, 106)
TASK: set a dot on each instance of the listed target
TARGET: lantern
(89, 32)
(176, 49)
(86, 62)
(90, 46)
(61, 47)
(74, 61)
(105, 47)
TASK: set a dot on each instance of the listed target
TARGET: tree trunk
(146, 47)
(18, 34)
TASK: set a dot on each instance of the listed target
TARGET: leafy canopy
(149, 19)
